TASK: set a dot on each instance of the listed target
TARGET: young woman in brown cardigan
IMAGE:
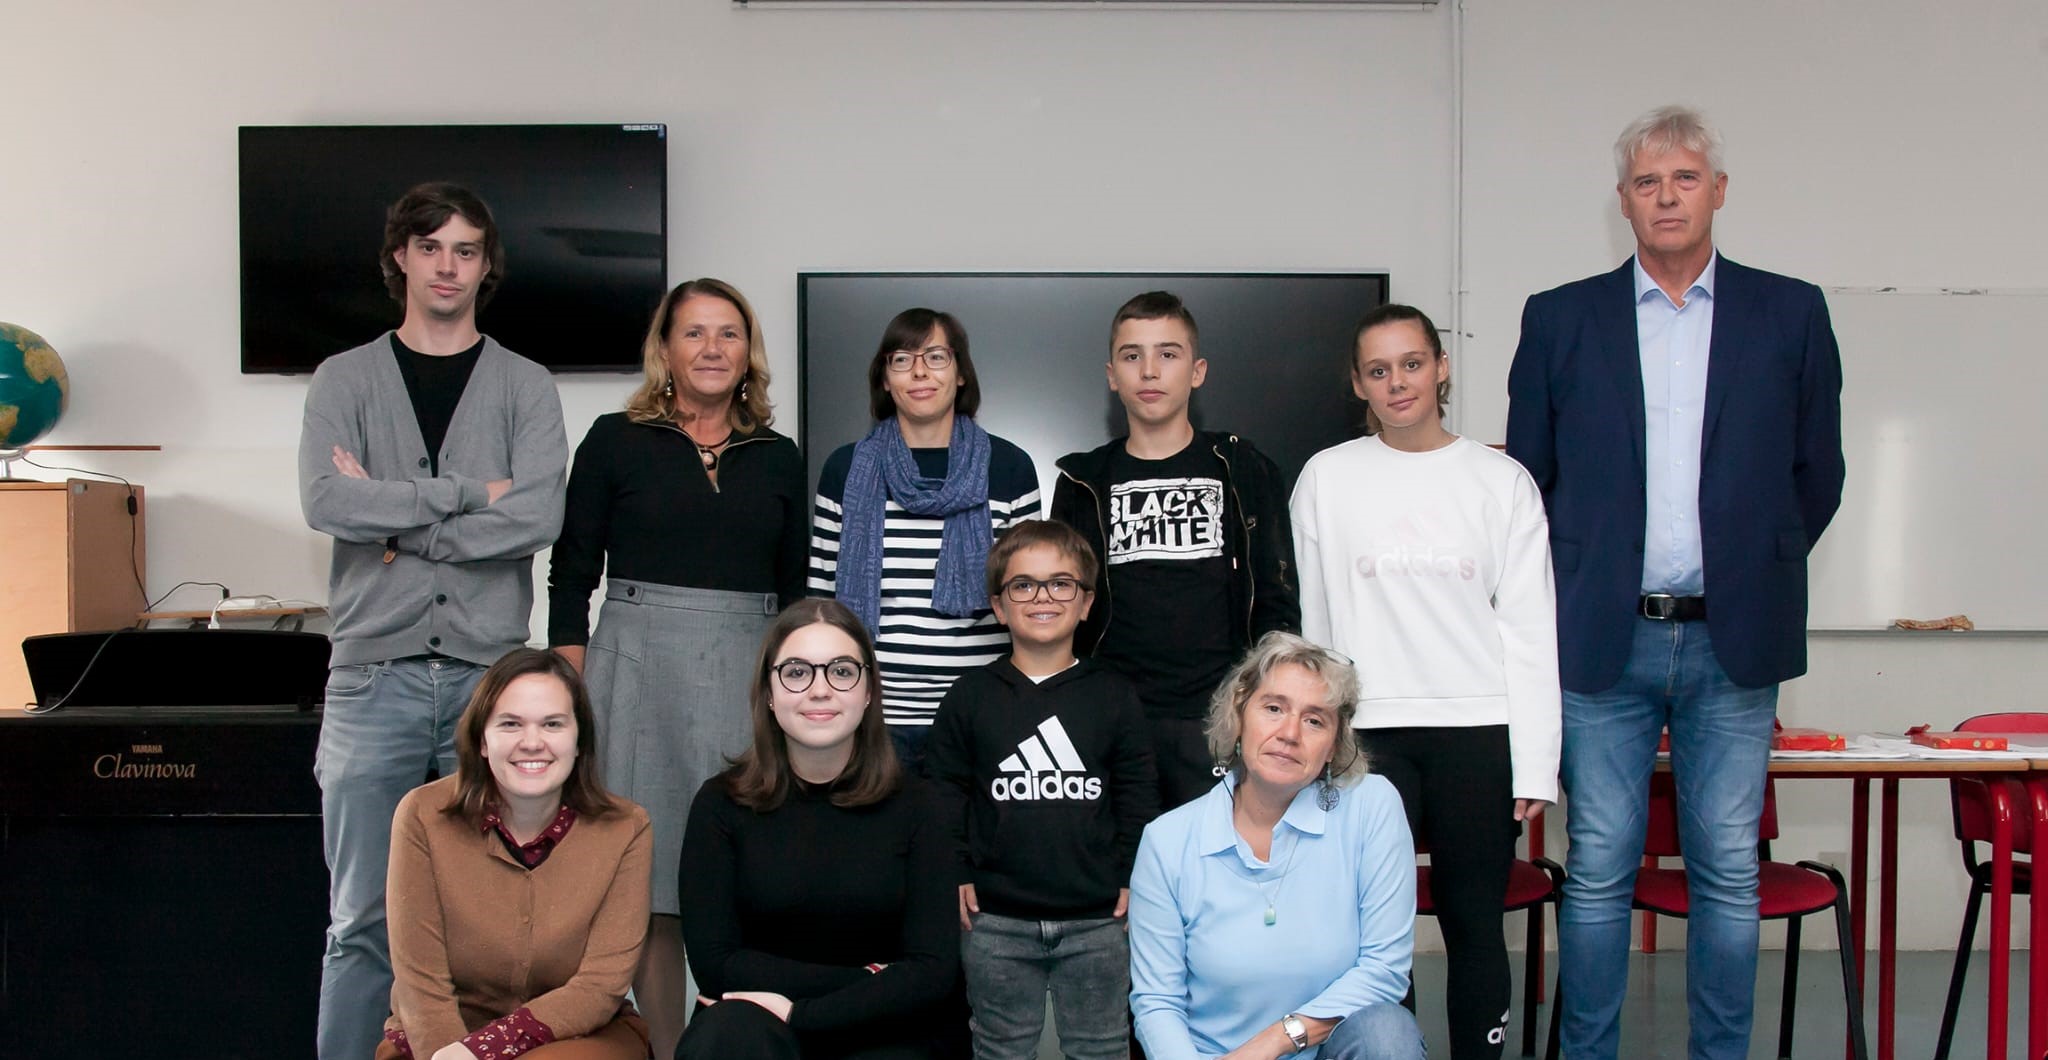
(518, 891)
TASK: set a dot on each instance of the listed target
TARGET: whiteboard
(1945, 431)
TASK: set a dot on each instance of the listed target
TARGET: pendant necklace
(1273, 898)
(709, 453)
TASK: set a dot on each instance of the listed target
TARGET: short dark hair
(1067, 540)
(907, 331)
(1394, 313)
(760, 777)
(421, 212)
(475, 788)
(1156, 305)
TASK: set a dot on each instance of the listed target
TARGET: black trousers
(1180, 752)
(742, 1030)
(1457, 786)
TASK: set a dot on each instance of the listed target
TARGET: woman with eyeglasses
(817, 890)
(1426, 557)
(904, 518)
(695, 509)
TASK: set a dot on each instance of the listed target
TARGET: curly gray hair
(1276, 649)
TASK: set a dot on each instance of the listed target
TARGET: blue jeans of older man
(1720, 749)
(384, 726)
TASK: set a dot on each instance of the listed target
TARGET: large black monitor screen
(1277, 346)
(582, 209)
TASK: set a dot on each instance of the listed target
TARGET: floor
(1653, 1021)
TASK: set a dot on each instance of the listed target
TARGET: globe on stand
(34, 391)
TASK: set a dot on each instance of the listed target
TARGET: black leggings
(1457, 786)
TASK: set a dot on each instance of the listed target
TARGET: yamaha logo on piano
(116, 766)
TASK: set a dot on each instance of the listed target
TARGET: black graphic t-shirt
(1170, 579)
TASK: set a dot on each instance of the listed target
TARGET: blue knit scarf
(883, 470)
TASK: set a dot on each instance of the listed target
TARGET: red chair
(1970, 801)
(1784, 892)
(1531, 884)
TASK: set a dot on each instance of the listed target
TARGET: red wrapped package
(1956, 741)
(1802, 739)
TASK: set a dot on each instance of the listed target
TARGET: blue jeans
(1720, 747)
(384, 726)
(1381, 1031)
(1009, 964)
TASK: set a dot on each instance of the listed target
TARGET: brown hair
(1226, 706)
(907, 331)
(421, 212)
(1067, 540)
(1157, 305)
(1391, 313)
(475, 788)
(653, 402)
(760, 777)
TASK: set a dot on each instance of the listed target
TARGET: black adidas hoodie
(1046, 787)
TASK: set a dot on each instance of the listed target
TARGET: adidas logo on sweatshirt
(1046, 766)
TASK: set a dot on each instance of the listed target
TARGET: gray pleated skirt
(668, 670)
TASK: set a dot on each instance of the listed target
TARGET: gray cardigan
(461, 582)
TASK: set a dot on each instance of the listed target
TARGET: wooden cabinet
(71, 558)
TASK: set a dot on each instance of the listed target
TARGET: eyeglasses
(1024, 590)
(798, 675)
(936, 358)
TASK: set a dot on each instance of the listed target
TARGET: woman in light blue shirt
(1275, 916)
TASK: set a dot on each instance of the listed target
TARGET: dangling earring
(668, 387)
(1326, 794)
(743, 390)
(1223, 768)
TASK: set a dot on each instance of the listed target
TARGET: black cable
(82, 674)
(224, 592)
(134, 514)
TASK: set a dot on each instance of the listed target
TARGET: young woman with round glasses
(818, 902)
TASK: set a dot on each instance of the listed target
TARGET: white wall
(1869, 143)
(881, 139)
(1021, 140)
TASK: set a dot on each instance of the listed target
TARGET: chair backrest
(2009, 721)
(1661, 834)
(1970, 800)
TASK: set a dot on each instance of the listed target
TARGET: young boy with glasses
(1193, 533)
(1043, 771)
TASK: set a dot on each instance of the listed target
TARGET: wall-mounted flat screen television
(1277, 344)
(583, 210)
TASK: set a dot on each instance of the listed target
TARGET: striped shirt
(920, 650)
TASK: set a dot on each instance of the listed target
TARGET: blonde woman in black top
(695, 515)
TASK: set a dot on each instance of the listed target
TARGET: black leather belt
(1664, 607)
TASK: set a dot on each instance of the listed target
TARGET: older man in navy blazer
(1682, 415)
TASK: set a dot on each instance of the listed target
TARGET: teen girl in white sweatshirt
(1426, 558)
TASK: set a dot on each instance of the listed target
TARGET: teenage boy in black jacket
(1041, 766)
(1193, 530)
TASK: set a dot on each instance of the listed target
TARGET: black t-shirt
(1169, 577)
(435, 385)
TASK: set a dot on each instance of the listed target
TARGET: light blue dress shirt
(1208, 972)
(1672, 341)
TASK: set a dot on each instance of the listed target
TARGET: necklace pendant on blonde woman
(1271, 917)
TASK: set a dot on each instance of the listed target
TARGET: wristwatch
(1297, 1031)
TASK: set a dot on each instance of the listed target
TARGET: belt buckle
(1658, 606)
